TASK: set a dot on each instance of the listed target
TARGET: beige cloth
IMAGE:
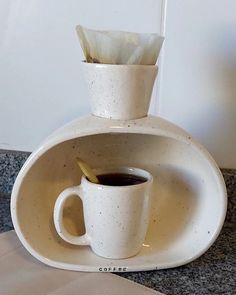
(21, 274)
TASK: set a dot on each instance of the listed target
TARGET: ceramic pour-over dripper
(119, 91)
(120, 71)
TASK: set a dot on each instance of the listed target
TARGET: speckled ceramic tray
(188, 198)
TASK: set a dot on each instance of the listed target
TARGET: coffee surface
(120, 179)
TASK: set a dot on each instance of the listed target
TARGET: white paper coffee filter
(115, 47)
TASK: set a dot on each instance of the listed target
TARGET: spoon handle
(88, 172)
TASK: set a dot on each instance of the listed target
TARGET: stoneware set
(187, 199)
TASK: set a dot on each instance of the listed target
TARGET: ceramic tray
(188, 197)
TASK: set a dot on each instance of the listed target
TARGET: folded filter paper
(115, 47)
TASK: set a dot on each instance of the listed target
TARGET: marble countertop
(212, 273)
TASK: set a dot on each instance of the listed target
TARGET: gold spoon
(88, 172)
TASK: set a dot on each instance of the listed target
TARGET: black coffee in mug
(120, 179)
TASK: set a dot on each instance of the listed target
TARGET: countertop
(212, 273)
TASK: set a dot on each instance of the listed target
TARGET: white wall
(41, 86)
(198, 82)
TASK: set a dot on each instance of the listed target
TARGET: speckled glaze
(119, 91)
(188, 195)
(116, 217)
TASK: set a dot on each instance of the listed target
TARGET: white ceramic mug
(116, 217)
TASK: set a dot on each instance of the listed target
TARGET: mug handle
(58, 217)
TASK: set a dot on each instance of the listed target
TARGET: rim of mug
(118, 65)
(120, 169)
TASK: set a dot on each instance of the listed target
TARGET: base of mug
(116, 257)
